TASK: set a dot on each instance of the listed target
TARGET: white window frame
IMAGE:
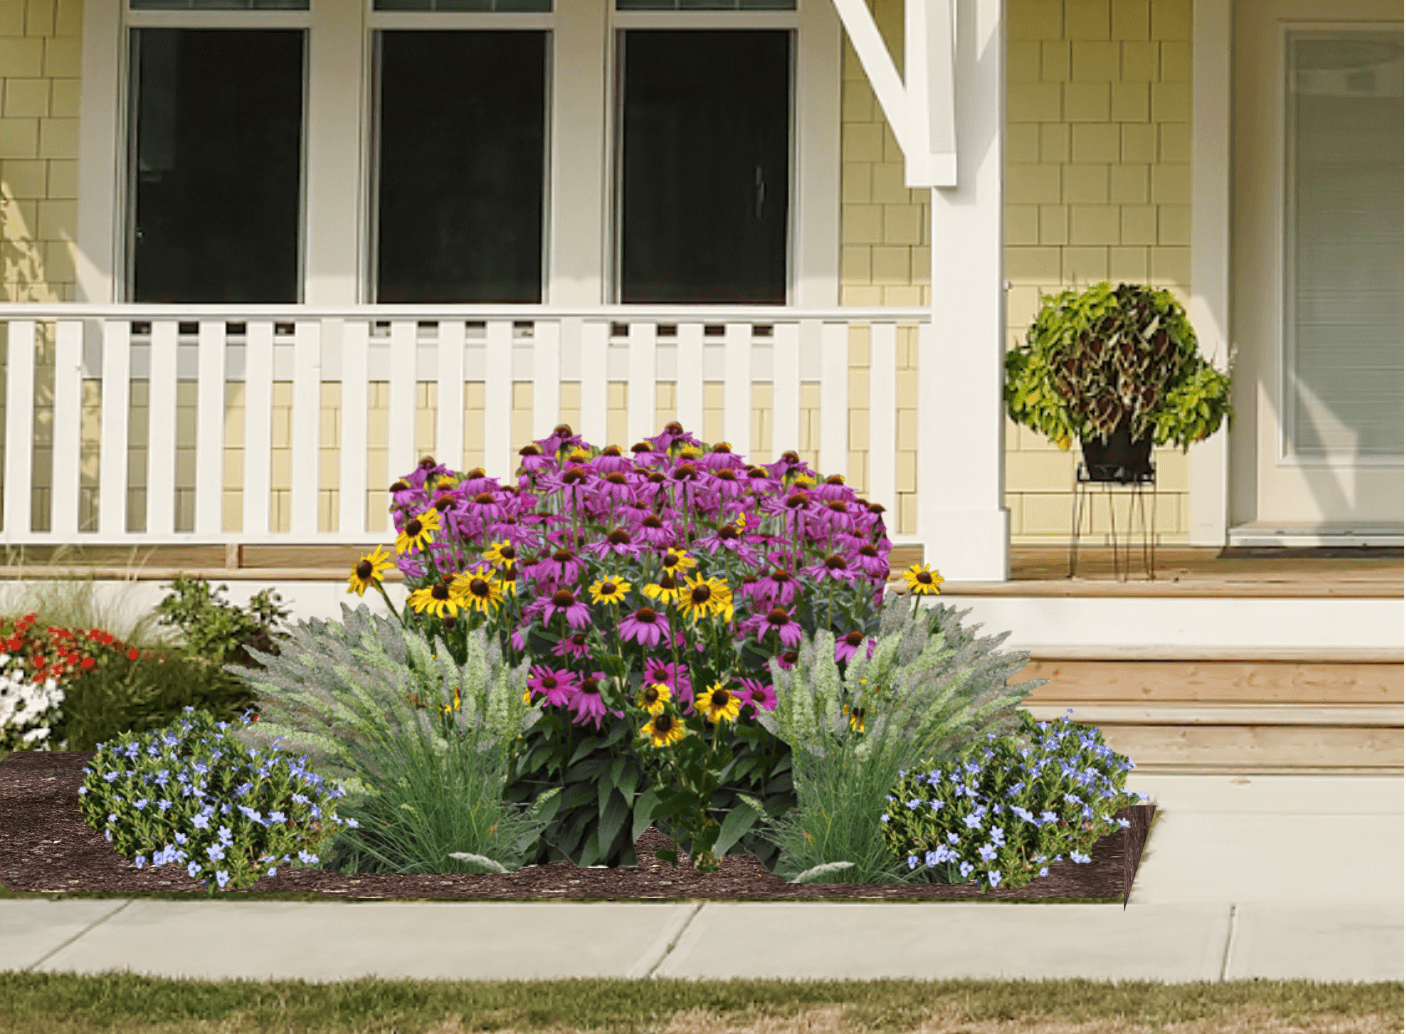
(105, 199)
(336, 242)
(378, 21)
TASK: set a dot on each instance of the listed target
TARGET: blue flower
(1075, 855)
(214, 852)
(973, 822)
(201, 822)
(1044, 872)
(937, 804)
(111, 776)
(303, 800)
(108, 834)
(140, 860)
(912, 861)
(966, 868)
(193, 869)
(933, 858)
(884, 818)
(221, 877)
(277, 816)
(995, 877)
(82, 791)
(306, 858)
(242, 789)
(226, 836)
(353, 824)
(273, 871)
(164, 805)
(139, 805)
(987, 852)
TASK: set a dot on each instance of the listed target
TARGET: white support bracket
(922, 110)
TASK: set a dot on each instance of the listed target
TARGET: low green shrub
(191, 793)
(1002, 809)
(123, 694)
(220, 631)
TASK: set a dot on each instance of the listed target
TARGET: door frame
(1258, 293)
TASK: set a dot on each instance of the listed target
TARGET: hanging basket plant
(1115, 359)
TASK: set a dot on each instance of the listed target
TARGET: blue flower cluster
(1008, 810)
(192, 794)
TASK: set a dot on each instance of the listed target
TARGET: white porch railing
(216, 345)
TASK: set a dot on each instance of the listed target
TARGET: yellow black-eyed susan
(856, 718)
(609, 590)
(921, 581)
(436, 598)
(477, 591)
(368, 570)
(703, 596)
(418, 532)
(653, 696)
(664, 729)
(666, 590)
(718, 704)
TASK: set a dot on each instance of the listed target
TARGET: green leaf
(645, 806)
(738, 821)
(590, 769)
(577, 795)
(616, 768)
(672, 857)
(612, 819)
(583, 748)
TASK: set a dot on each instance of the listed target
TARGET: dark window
(219, 5)
(501, 6)
(705, 168)
(461, 164)
(217, 151)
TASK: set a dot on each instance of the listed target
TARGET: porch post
(962, 518)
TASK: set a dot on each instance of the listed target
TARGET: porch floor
(1245, 571)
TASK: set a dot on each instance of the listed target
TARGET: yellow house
(730, 212)
(260, 256)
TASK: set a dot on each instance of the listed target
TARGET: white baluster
(116, 414)
(210, 429)
(161, 431)
(68, 391)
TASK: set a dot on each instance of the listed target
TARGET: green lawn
(50, 1004)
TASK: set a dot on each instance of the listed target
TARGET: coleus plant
(1097, 358)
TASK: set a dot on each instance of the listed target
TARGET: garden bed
(45, 847)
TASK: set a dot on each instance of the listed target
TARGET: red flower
(87, 662)
(131, 655)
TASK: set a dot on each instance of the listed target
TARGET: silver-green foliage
(931, 688)
(341, 692)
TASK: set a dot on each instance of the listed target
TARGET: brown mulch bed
(45, 847)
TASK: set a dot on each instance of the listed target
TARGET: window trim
(126, 214)
(579, 220)
(371, 207)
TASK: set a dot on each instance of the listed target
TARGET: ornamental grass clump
(420, 742)
(649, 593)
(929, 687)
(1000, 811)
(192, 795)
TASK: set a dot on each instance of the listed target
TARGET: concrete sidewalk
(1278, 877)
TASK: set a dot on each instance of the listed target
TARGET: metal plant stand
(1084, 493)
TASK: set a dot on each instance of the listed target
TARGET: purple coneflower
(848, 645)
(675, 676)
(645, 626)
(586, 703)
(836, 566)
(758, 696)
(556, 686)
(778, 620)
(565, 601)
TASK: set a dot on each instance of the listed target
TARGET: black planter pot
(1120, 459)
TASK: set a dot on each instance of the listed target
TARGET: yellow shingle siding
(1098, 184)
(40, 59)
